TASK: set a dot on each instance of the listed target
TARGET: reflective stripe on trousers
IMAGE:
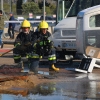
(17, 56)
(52, 57)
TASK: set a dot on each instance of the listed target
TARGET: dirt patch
(19, 86)
(14, 81)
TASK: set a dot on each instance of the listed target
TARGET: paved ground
(69, 84)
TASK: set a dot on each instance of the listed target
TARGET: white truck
(64, 36)
(88, 39)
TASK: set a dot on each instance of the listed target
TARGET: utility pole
(2, 5)
(10, 5)
(44, 10)
(63, 10)
(57, 6)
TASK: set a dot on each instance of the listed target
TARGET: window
(94, 21)
(79, 5)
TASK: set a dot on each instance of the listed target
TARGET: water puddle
(26, 69)
(43, 73)
(78, 90)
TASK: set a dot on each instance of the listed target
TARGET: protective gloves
(20, 47)
(27, 44)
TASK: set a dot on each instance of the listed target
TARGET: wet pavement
(64, 85)
(71, 87)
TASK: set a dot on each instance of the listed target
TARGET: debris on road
(10, 69)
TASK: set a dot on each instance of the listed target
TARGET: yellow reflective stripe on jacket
(49, 41)
(27, 56)
(40, 57)
(34, 45)
(17, 44)
(45, 42)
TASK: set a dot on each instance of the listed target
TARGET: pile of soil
(13, 81)
(22, 86)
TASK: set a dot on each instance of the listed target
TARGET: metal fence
(34, 25)
(25, 15)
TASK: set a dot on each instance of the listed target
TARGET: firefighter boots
(53, 68)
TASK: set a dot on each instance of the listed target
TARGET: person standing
(23, 43)
(11, 26)
(30, 18)
(42, 46)
(1, 27)
(46, 18)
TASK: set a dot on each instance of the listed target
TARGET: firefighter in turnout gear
(43, 47)
(23, 43)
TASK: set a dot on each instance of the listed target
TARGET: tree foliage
(49, 7)
(30, 7)
(19, 7)
(41, 4)
(7, 8)
(52, 8)
(19, 3)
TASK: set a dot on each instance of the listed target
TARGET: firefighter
(23, 43)
(42, 46)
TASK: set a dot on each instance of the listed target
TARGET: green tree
(48, 10)
(40, 3)
(52, 7)
(19, 7)
(7, 8)
(30, 7)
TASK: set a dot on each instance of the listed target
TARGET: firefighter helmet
(43, 24)
(25, 23)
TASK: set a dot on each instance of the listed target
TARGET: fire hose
(6, 52)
